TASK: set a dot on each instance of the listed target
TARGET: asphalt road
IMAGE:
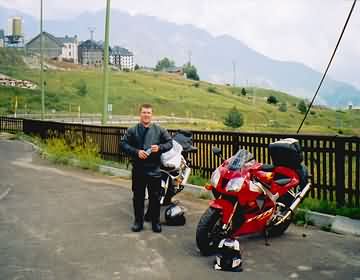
(60, 223)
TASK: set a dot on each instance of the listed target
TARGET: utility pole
(42, 63)
(234, 73)
(106, 65)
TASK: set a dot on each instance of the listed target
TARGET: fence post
(235, 143)
(340, 171)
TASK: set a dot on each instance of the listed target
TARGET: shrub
(302, 107)
(72, 147)
(164, 63)
(243, 92)
(234, 118)
(283, 107)
(272, 99)
(191, 72)
(81, 87)
(212, 89)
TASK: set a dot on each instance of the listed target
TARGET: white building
(122, 58)
(69, 51)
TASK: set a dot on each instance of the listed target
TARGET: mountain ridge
(151, 38)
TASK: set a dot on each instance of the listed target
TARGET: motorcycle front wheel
(208, 232)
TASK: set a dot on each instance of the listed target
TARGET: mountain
(152, 39)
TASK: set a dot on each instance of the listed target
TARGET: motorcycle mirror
(217, 151)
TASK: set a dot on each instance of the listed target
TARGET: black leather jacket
(135, 140)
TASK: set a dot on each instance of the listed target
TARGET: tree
(137, 67)
(164, 63)
(81, 87)
(272, 99)
(302, 106)
(191, 72)
(234, 118)
(243, 92)
(283, 107)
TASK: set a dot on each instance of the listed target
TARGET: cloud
(298, 30)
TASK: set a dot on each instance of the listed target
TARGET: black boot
(139, 215)
(156, 227)
(137, 226)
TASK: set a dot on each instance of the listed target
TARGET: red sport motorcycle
(251, 197)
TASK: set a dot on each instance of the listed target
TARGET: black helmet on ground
(174, 215)
(228, 256)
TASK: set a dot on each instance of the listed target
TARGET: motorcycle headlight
(215, 177)
(235, 185)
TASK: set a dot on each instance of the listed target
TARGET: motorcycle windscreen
(238, 161)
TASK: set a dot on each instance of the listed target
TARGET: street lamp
(106, 65)
(42, 63)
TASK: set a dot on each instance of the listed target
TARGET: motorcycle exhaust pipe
(186, 175)
(295, 204)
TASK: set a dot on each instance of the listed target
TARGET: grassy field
(172, 96)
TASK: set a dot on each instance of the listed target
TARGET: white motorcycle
(175, 172)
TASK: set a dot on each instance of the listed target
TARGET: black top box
(286, 152)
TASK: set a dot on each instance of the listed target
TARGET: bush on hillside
(81, 87)
(272, 99)
(164, 63)
(283, 107)
(191, 72)
(234, 118)
(212, 89)
(243, 92)
(302, 107)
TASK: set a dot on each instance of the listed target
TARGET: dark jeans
(139, 183)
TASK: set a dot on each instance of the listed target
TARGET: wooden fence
(334, 161)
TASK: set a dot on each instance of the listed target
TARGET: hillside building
(90, 53)
(122, 58)
(61, 48)
(52, 47)
(69, 51)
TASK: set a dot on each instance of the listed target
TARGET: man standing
(144, 143)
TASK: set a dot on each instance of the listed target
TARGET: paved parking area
(60, 223)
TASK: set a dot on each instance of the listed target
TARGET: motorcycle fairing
(225, 206)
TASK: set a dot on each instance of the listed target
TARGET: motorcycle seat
(283, 181)
(267, 167)
(168, 168)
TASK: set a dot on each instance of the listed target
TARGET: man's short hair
(146, 106)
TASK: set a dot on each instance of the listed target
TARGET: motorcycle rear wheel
(208, 232)
(279, 230)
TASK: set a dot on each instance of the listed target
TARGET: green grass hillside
(172, 96)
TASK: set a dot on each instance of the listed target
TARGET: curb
(114, 171)
(345, 225)
(337, 224)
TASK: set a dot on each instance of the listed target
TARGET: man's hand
(155, 148)
(142, 154)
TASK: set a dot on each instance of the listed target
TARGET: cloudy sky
(297, 30)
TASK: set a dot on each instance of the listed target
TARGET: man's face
(145, 115)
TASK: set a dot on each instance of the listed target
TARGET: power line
(328, 66)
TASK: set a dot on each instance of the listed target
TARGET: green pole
(42, 63)
(106, 65)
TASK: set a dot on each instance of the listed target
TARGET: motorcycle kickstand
(266, 236)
